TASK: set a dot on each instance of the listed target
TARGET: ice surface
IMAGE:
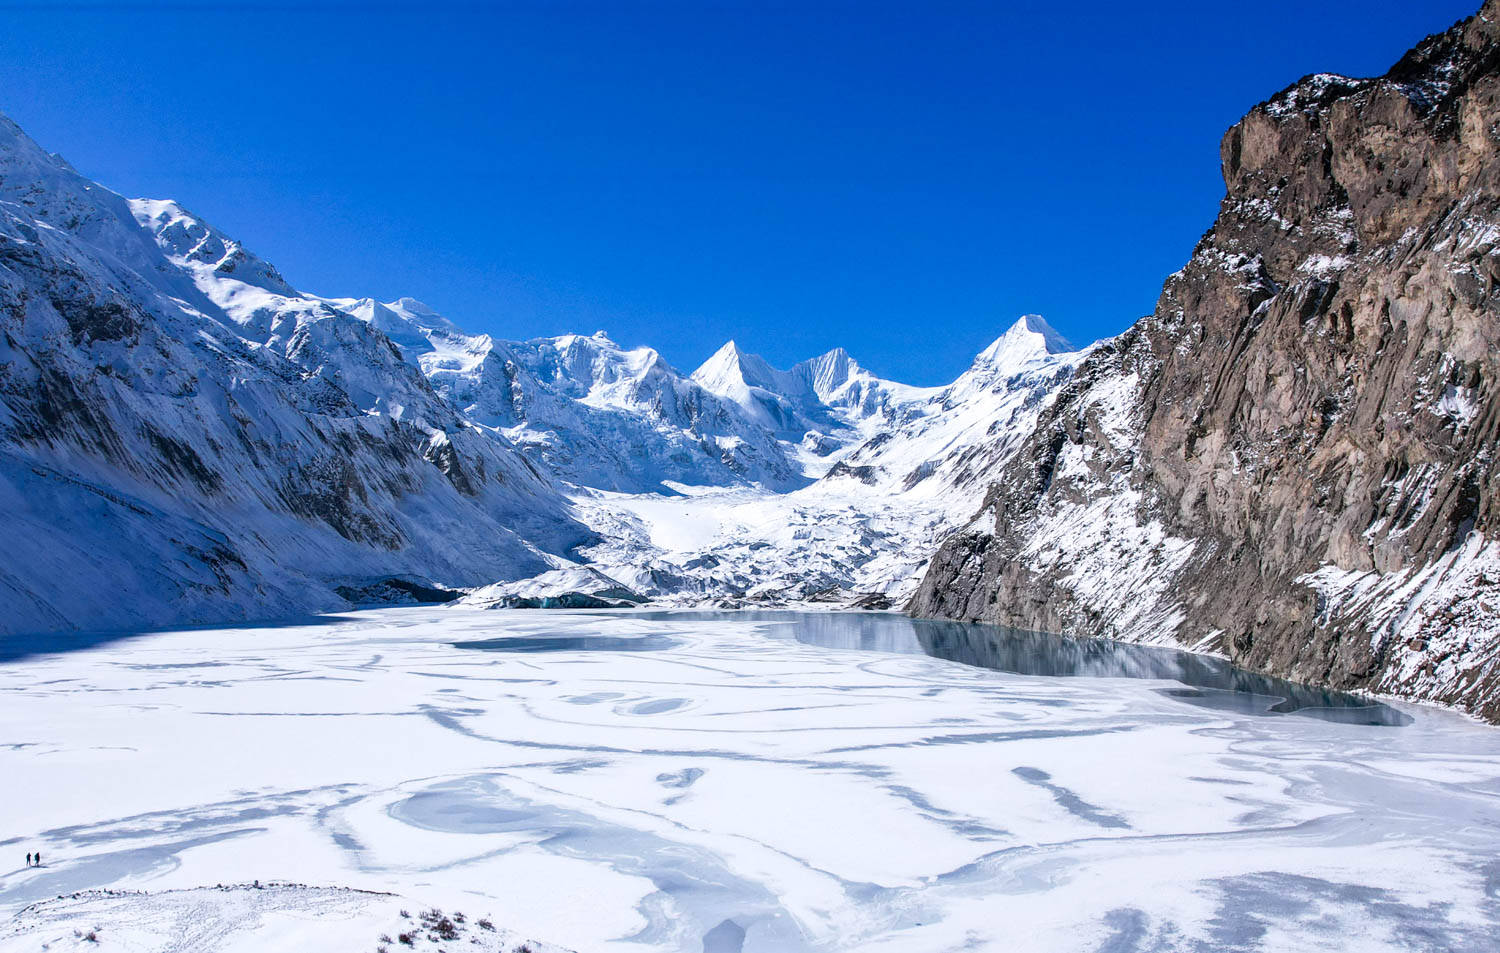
(815, 798)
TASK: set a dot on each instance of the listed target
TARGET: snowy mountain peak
(829, 372)
(406, 321)
(421, 313)
(731, 371)
(726, 360)
(1029, 338)
(191, 241)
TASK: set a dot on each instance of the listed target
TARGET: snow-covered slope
(943, 447)
(601, 416)
(883, 504)
(185, 438)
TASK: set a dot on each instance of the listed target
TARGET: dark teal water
(1199, 680)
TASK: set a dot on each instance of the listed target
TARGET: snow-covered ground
(252, 918)
(666, 781)
(748, 543)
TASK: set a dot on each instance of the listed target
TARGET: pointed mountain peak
(730, 351)
(735, 374)
(838, 357)
(828, 372)
(1029, 337)
(727, 364)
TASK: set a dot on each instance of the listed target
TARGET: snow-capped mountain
(1290, 461)
(587, 410)
(601, 416)
(184, 438)
(944, 446)
(882, 506)
(828, 402)
(203, 441)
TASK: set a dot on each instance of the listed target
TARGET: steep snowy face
(203, 250)
(614, 418)
(599, 373)
(829, 397)
(1293, 459)
(184, 438)
(946, 444)
(320, 335)
(1029, 339)
(854, 394)
(583, 408)
(783, 402)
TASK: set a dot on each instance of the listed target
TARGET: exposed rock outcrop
(1292, 460)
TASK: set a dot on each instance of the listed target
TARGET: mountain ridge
(185, 437)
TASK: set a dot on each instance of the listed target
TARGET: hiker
(39, 858)
(28, 858)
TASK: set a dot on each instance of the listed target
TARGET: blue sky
(900, 179)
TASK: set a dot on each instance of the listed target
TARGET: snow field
(821, 799)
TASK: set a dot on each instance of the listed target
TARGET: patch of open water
(1205, 681)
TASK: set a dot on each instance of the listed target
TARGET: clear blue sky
(902, 179)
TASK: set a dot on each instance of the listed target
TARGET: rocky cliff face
(1292, 460)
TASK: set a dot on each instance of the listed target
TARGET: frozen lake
(759, 783)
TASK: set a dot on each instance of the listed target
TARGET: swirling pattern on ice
(814, 798)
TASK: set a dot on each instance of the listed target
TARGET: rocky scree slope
(185, 438)
(1292, 459)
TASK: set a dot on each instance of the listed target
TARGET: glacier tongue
(743, 482)
(868, 525)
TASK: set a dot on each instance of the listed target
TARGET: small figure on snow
(39, 858)
(28, 858)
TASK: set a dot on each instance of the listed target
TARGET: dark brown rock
(1315, 393)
